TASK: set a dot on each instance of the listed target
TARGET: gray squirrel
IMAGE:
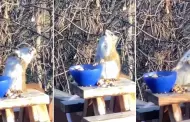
(183, 70)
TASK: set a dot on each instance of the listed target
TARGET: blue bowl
(87, 77)
(5, 83)
(161, 84)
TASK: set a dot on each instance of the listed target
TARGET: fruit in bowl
(86, 74)
(5, 83)
(160, 81)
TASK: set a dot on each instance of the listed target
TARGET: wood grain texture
(85, 108)
(144, 114)
(114, 117)
(167, 99)
(99, 106)
(10, 115)
(38, 113)
(70, 106)
(124, 103)
(175, 113)
(32, 97)
(123, 86)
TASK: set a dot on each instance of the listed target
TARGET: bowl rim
(173, 72)
(70, 68)
(7, 78)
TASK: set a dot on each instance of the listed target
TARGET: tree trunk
(131, 33)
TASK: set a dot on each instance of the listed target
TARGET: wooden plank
(175, 113)
(10, 115)
(123, 86)
(161, 113)
(4, 118)
(43, 113)
(167, 99)
(60, 96)
(99, 106)
(85, 108)
(32, 97)
(187, 110)
(21, 115)
(38, 113)
(71, 106)
(75, 105)
(150, 113)
(114, 117)
(32, 115)
(124, 103)
(111, 105)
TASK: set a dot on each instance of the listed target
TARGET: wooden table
(35, 102)
(97, 94)
(170, 101)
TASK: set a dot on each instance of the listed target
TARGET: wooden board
(99, 106)
(114, 117)
(150, 113)
(75, 105)
(32, 97)
(175, 113)
(60, 96)
(167, 99)
(38, 113)
(123, 86)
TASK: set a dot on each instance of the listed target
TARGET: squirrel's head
(107, 43)
(26, 53)
(111, 37)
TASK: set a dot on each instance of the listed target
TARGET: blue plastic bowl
(87, 77)
(5, 83)
(161, 84)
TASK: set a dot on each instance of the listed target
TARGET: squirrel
(183, 75)
(107, 55)
(15, 67)
(183, 70)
